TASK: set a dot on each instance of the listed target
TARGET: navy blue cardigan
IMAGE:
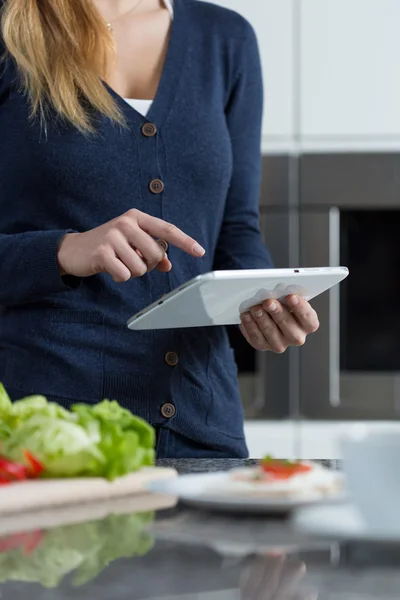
(67, 339)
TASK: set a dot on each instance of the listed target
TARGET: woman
(119, 118)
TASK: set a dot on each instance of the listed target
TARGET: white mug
(372, 470)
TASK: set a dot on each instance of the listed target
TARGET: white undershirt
(143, 106)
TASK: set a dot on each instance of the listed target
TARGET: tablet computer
(219, 297)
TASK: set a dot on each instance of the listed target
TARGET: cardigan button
(168, 410)
(149, 129)
(156, 186)
(171, 358)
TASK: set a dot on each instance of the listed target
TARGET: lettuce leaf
(85, 549)
(121, 536)
(126, 441)
(5, 401)
(14, 414)
(64, 448)
(101, 440)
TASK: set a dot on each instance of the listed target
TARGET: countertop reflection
(179, 553)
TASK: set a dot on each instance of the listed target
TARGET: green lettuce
(15, 414)
(64, 448)
(118, 536)
(101, 440)
(5, 402)
(84, 550)
(126, 441)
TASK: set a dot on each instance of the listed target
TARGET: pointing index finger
(172, 234)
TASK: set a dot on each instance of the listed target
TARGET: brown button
(149, 129)
(163, 244)
(156, 186)
(171, 358)
(168, 410)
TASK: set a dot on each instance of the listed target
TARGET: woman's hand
(274, 577)
(124, 247)
(274, 326)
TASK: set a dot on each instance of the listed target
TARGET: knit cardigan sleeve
(28, 261)
(240, 244)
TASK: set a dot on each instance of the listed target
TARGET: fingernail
(246, 318)
(293, 301)
(199, 250)
(272, 307)
(259, 314)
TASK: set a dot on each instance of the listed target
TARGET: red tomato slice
(282, 470)
(32, 540)
(27, 542)
(35, 466)
(9, 543)
(12, 471)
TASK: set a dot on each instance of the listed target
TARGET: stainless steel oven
(350, 214)
(319, 210)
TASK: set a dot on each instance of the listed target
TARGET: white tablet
(219, 297)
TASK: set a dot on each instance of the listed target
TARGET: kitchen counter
(196, 465)
(184, 554)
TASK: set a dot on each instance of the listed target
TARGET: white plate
(341, 522)
(196, 490)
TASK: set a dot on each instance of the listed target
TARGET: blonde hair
(62, 49)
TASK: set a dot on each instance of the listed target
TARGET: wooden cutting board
(35, 495)
(57, 516)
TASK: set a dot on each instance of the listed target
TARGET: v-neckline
(169, 80)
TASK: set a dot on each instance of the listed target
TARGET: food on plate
(280, 478)
(273, 468)
(101, 440)
(85, 550)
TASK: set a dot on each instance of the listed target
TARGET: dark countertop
(196, 465)
(191, 555)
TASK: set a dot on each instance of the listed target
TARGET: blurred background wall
(330, 196)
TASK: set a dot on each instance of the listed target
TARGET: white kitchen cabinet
(349, 69)
(273, 21)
